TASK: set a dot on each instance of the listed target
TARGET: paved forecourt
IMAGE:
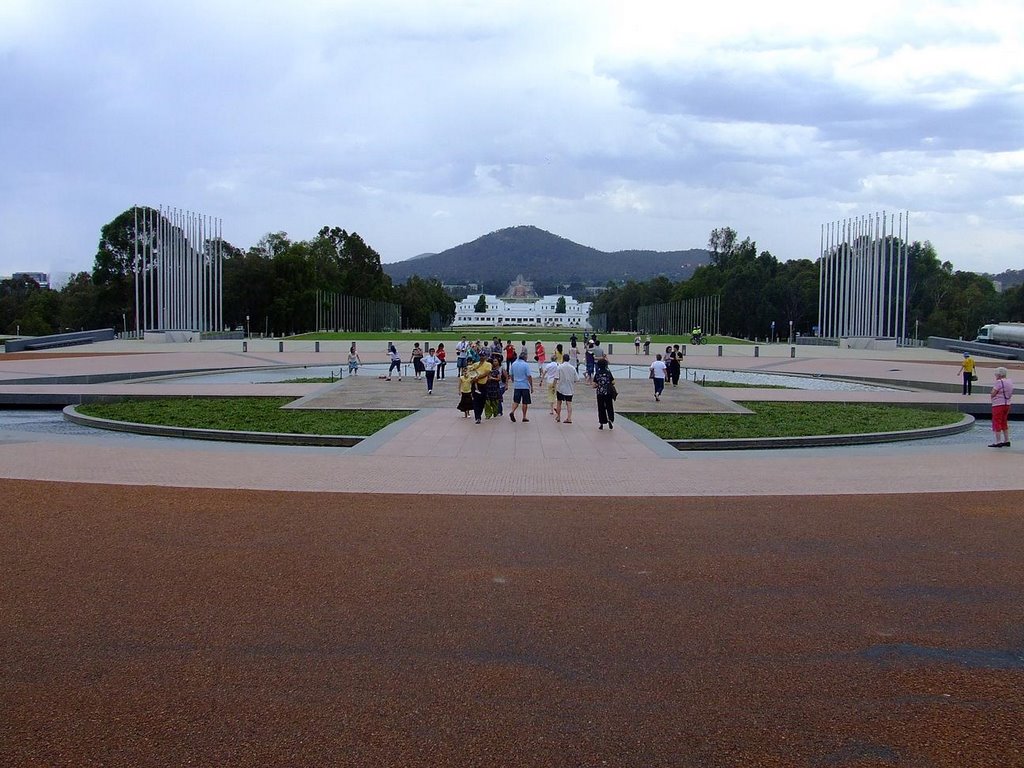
(436, 450)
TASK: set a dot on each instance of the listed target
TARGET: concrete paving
(439, 451)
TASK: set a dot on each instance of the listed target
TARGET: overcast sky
(422, 125)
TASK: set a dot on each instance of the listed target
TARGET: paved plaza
(421, 454)
(501, 594)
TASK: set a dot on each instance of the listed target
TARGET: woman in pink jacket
(1002, 391)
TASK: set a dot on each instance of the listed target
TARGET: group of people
(427, 364)
(666, 368)
(1000, 396)
(644, 341)
(487, 370)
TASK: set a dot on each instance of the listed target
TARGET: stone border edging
(818, 441)
(224, 435)
(348, 441)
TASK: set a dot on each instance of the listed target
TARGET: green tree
(1011, 307)
(560, 306)
(419, 298)
(794, 295)
(27, 308)
(621, 302)
(248, 283)
(78, 304)
(113, 269)
(293, 296)
(481, 304)
(345, 263)
(742, 278)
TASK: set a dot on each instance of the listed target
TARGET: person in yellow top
(465, 391)
(967, 369)
(478, 371)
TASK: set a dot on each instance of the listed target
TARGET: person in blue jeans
(396, 361)
(658, 370)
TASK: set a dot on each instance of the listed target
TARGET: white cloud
(423, 125)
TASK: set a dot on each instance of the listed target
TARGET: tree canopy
(274, 284)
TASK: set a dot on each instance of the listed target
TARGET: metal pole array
(680, 317)
(179, 271)
(862, 283)
(338, 312)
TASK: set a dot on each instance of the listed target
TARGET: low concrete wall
(868, 342)
(171, 337)
(223, 435)
(58, 340)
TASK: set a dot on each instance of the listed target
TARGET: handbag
(613, 391)
(974, 377)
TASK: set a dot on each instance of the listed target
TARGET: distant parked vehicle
(1007, 334)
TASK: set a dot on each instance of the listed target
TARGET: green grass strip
(243, 414)
(794, 420)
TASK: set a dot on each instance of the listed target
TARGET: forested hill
(494, 260)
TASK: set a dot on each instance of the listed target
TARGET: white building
(540, 313)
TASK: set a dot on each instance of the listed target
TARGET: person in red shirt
(441, 361)
(510, 356)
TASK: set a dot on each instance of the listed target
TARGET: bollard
(757, 351)
(682, 348)
(316, 347)
(719, 350)
(280, 346)
(245, 346)
(792, 351)
(609, 349)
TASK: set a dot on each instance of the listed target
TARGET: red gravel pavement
(146, 626)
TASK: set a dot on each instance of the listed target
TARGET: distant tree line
(757, 289)
(275, 282)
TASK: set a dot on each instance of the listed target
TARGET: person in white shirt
(658, 369)
(396, 361)
(548, 371)
(430, 363)
(565, 387)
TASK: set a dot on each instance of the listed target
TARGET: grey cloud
(841, 114)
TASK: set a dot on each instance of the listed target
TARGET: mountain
(493, 261)
(1009, 278)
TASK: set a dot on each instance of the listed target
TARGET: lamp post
(247, 326)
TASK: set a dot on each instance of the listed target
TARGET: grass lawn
(243, 414)
(264, 414)
(794, 420)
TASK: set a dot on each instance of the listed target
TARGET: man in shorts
(565, 387)
(522, 386)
